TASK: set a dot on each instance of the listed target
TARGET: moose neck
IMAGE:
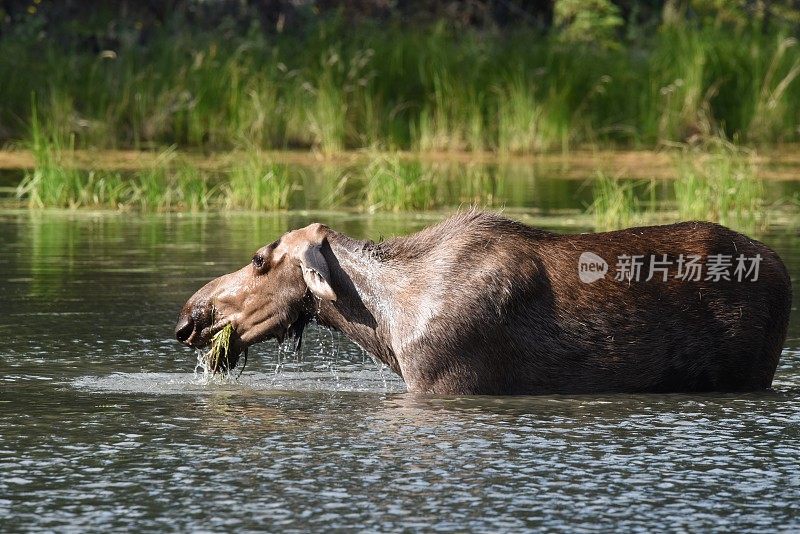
(364, 304)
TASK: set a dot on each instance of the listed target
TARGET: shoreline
(781, 164)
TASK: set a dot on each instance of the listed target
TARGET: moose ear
(316, 273)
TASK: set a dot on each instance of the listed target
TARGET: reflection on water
(104, 424)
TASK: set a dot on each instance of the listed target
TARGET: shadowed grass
(769, 116)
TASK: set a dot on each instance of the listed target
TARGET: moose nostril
(184, 329)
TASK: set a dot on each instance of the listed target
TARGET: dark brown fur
(480, 304)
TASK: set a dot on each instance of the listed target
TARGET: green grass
(256, 184)
(249, 181)
(219, 349)
(716, 181)
(338, 86)
(771, 108)
(720, 184)
(614, 203)
(521, 123)
(396, 185)
(52, 184)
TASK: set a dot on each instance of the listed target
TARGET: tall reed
(395, 185)
(50, 183)
(614, 205)
(256, 184)
(720, 184)
(429, 87)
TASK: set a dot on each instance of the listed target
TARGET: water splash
(204, 373)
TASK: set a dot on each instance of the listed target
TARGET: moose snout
(192, 320)
(184, 328)
(202, 309)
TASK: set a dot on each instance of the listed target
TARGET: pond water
(103, 424)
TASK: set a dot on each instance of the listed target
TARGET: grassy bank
(718, 181)
(334, 86)
(252, 182)
(714, 180)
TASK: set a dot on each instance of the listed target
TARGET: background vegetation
(532, 76)
(711, 81)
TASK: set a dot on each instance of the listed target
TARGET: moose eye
(258, 261)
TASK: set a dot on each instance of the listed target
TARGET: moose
(481, 304)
